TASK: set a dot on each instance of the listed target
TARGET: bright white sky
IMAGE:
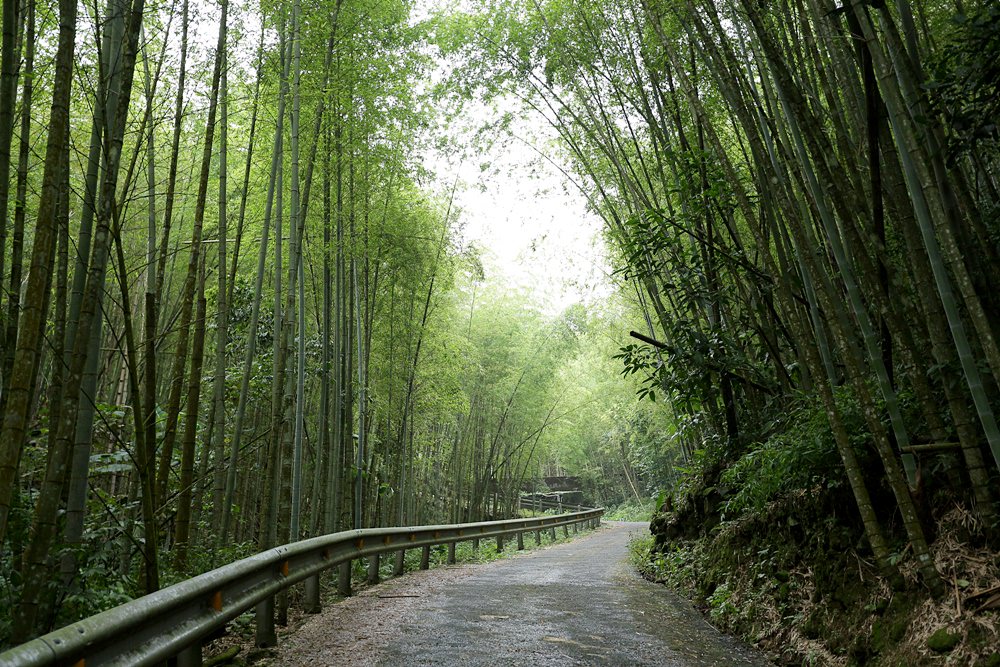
(530, 222)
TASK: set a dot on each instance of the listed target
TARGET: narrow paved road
(577, 603)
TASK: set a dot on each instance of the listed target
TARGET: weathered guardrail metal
(176, 620)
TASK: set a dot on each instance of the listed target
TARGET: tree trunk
(35, 309)
(183, 525)
(222, 318)
(188, 290)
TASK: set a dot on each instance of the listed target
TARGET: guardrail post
(373, 562)
(565, 530)
(264, 613)
(475, 544)
(344, 579)
(202, 602)
(190, 657)
(400, 565)
(425, 557)
(311, 605)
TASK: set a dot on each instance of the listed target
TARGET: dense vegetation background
(237, 309)
(803, 196)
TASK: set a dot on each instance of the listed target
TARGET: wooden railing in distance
(537, 504)
(175, 621)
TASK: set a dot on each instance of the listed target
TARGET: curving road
(576, 603)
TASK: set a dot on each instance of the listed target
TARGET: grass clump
(632, 510)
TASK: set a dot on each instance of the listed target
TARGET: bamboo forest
(246, 300)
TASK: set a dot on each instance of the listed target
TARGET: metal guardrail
(175, 621)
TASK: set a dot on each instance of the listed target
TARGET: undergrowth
(632, 510)
(768, 543)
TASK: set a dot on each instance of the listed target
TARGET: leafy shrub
(964, 86)
(719, 603)
(632, 510)
(674, 565)
(800, 457)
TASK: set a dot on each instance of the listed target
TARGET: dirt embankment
(799, 581)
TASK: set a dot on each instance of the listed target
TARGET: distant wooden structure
(562, 490)
(563, 483)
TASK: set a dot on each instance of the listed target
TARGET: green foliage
(632, 510)
(802, 456)
(95, 592)
(642, 358)
(719, 605)
(799, 456)
(202, 558)
(104, 579)
(673, 565)
(705, 461)
(964, 85)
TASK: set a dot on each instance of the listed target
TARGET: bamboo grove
(234, 311)
(803, 195)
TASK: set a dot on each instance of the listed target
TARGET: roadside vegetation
(236, 307)
(802, 198)
(632, 510)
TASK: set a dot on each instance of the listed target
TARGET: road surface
(574, 603)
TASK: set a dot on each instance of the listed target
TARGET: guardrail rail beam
(175, 621)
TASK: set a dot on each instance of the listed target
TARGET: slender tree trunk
(8, 94)
(34, 312)
(183, 525)
(269, 530)
(20, 202)
(188, 291)
(148, 403)
(340, 470)
(222, 319)
(168, 202)
(245, 194)
(327, 466)
(297, 277)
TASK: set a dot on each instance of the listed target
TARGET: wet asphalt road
(578, 603)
